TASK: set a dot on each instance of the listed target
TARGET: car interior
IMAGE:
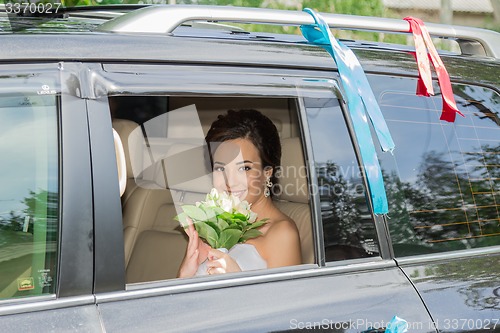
(158, 144)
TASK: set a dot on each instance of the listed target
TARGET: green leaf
(225, 216)
(239, 216)
(182, 218)
(207, 233)
(222, 224)
(252, 233)
(209, 211)
(215, 227)
(258, 224)
(195, 213)
(218, 211)
(228, 238)
(239, 223)
(234, 226)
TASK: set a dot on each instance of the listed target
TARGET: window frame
(380, 222)
(74, 261)
(144, 79)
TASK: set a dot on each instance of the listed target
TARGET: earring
(269, 184)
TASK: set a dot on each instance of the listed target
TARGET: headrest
(124, 128)
(292, 174)
(121, 163)
(186, 168)
(174, 165)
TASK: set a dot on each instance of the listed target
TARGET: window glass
(28, 195)
(348, 227)
(443, 178)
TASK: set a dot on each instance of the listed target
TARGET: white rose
(223, 195)
(243, 208)
(236, 202)
(214, 192)
(252, 217)
(245, 205)
(226, 204)
(210, 203)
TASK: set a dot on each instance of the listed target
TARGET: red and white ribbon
(424, 44)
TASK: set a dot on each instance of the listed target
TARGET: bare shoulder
(283, 228)
(282, 243)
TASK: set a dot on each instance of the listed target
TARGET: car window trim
(294, 84)
(307, 271)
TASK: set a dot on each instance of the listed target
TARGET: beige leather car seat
(147, 210)
(161, 243)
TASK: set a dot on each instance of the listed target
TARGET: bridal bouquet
(222, 220)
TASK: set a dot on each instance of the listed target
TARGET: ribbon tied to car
(361, 103)
(423, 42)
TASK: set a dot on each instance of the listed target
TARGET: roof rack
(165, 18)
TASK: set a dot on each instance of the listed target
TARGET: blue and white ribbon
(361, 102)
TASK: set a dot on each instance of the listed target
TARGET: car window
(348, 227)
(29, 194)
(442, 180)
(167, 166)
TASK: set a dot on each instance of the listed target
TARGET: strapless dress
(245, 255)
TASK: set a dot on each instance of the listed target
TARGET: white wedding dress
(245, 255)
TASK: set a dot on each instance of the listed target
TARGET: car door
(442, 183)
(46, 223)
(350, 285)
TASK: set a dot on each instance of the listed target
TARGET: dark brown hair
(252, 125)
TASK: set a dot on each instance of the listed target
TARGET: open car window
(162, 128)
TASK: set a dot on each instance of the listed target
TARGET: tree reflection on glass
(28, 240)
(348, 227)
(442, 180)
(449, 206)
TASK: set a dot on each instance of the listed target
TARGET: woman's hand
(196, 252)
(220, 263)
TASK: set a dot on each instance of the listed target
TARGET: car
(103, 113)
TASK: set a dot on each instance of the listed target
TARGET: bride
(245, 152)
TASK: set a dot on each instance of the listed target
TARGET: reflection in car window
(28, 195)
(348, 227)
(444, 195)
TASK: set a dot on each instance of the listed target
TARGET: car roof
(77, 36)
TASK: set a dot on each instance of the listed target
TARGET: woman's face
(238, 170)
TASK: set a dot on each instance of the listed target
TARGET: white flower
(252, 216)
(210, 203)
(214, 194)
(243, 207)
(226, 204)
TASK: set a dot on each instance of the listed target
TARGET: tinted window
(28, 195)
(348, 228)
(443, 178)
